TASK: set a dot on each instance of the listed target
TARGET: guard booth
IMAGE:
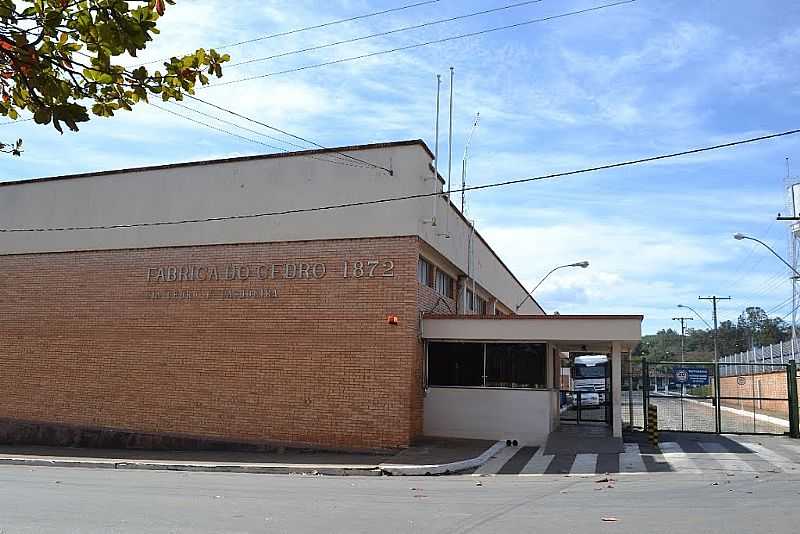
(499, 377)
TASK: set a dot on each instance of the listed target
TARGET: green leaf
(42, 116)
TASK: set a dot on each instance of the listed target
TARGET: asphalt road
(66, 500)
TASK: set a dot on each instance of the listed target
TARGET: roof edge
(536, 317)
(275, 155)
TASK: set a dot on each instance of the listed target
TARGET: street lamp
(740, 236)
(695, 312)
(581, 264)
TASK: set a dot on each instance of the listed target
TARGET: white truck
(589, 378)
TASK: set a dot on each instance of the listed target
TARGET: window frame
(447, 280)
(537, 387)
(425, 266)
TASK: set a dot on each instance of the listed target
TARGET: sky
(619, 83)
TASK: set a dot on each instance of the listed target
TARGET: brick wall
(306, 359)
(769, 385)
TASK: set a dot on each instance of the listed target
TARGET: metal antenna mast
(792, 187)
(464, 162)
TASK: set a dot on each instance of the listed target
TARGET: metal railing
(776, 354)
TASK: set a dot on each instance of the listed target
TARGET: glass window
(507, 365)
(455, 364)
(444, 284)
(480, 305)
(581, 370)
(425, 272)
(470, 300)
(516, 365)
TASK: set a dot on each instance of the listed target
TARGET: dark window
(455, 364)
(425, 272)
(480, 305)
(581, 370)
(470, 300)
(508, 365)
(515, 365)
(444, 284)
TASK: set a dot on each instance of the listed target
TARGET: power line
(385, 33)
(419, 45)
(419, 195)
(15, 121)
(245, 138)
(780, 306)
(262, 134)
(284, 132)
(315, 27)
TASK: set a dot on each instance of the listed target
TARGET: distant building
(140, 308)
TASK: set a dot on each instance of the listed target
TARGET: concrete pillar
(616, 389)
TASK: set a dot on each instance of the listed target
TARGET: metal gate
(752, 398)
(589, 403)
(585, 407)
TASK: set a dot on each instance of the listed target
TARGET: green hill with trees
(753, 328)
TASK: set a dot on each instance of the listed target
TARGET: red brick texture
(302, 358)
(766, 386)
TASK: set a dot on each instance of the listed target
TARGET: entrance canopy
(569, 332)
(508, 344)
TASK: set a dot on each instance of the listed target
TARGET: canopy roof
(569, 332)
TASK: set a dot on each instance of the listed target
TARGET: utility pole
(683, 333)
(714, 299)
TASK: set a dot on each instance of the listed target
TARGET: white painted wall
(524, 415)
(627, 329)
(246, 186)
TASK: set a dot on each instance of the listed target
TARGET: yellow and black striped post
(652, 425)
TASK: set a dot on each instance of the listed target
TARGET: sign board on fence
(690, 376)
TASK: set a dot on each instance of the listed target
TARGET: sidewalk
(427, 456)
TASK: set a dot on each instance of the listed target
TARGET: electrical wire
(262, 134)
(417, 195)
(245, 138)
(284, 132)
(384, 33)
(314, 27)
(15, 121)
(419, 45)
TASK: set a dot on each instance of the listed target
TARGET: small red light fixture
(392, 319)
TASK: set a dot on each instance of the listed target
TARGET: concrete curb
(274, 469)
(441, 469)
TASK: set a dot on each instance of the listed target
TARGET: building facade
(133, 302)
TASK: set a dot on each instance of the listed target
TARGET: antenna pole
(464, 163)
(436, 149)
(450, 135)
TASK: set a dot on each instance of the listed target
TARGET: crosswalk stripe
(518, 461)
(730, 461)
(631, 460)
(584, 464)
(497, 462)
(677, 459)
(538, 463)
(777, 460)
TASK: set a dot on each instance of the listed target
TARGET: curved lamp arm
(695, 312)
(739, 236)
(581, 264)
